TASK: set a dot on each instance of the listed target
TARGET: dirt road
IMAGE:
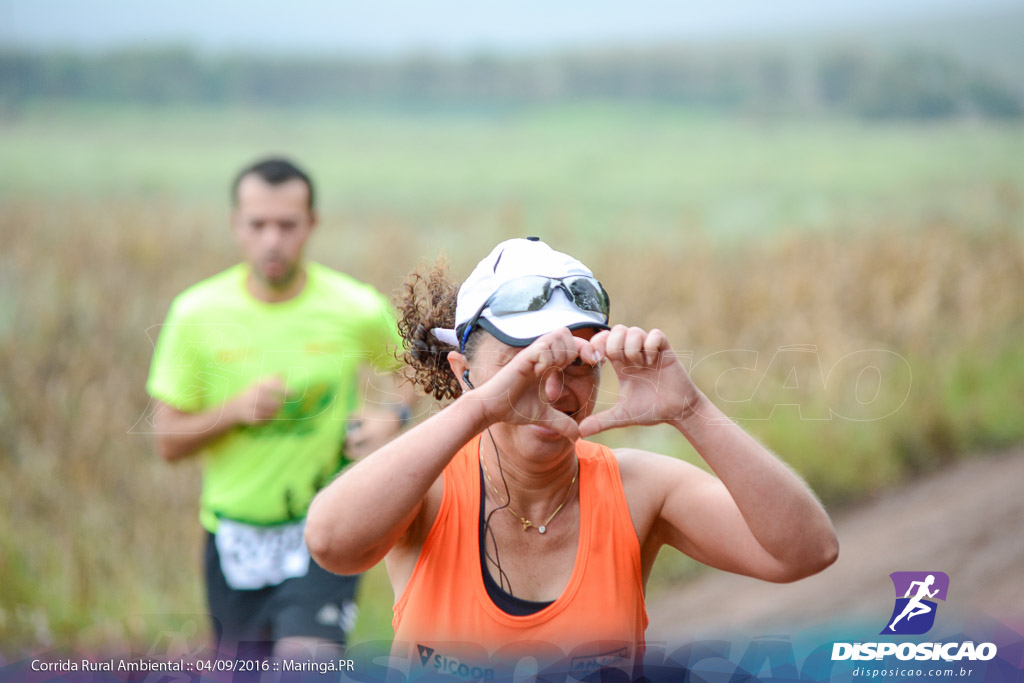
(967, 521)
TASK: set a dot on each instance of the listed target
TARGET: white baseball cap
(520, 261)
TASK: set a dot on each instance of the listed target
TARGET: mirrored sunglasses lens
(589, 295)
(520, 296)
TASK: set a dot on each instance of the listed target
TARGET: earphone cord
(503, 581)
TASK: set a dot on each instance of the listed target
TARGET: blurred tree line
(911, 84)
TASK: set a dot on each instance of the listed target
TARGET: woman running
(504, 531)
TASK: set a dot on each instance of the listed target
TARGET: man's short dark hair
(273, 171)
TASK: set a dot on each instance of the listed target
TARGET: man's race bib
(252, 557)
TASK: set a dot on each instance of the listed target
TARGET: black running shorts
(318, 605)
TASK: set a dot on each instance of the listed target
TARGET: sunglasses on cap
(532, 293)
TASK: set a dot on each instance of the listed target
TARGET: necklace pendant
(526, 523)
(542, 528)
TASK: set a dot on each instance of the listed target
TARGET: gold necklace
(523, 520)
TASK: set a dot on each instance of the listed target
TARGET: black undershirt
(505, 601)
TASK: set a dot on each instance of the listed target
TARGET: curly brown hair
(427, 300)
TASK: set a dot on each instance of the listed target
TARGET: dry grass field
(97, 530)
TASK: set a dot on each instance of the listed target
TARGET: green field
(741, 238)
(585, 169)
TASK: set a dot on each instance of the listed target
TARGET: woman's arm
(357, 518)
(756, 518)
(757, 491)
(361, 515)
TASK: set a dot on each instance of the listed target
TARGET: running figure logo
(914, 613)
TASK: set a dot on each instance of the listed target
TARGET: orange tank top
(445, 617)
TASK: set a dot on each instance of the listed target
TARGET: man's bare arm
(378, 423)
(180, 434)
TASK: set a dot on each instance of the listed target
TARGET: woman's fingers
(561, 423)
(599, 344)
(655, 343)
(586, 351)
(599, 422)
(574, 351)
(553, 382)
(647, 395)
(631, 346)
(539, 370)
(622, 345)
(638, 359)
(614, 344)
(559, 349)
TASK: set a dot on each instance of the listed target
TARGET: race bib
(252, 557)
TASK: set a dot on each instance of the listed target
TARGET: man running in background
(256, 371)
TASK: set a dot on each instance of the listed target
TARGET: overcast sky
(389, 26)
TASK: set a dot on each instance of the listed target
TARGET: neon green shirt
(218, 339)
